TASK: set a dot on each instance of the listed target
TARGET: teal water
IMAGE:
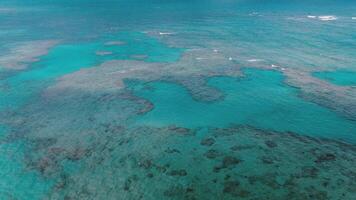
(179, 96)
(24, 84)
(347, 78)
(258, 99)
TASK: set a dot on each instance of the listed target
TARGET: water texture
(211, 99)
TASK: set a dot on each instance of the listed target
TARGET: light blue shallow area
(260, 99)
(344, 78)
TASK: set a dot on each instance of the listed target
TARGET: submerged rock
(180, 172)
(146, 164)
(128, 183)
(241, 147)
(325, 158)
(174, 191)
(230, 161)
(270, 144)
(309, 171)
(169, 150)
(233, 188)
(267, 160)
(227, 162)
(212, 154)
(180, 130)
(207, 142)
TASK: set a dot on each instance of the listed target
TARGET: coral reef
(22, 54)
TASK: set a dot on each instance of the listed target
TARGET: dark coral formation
(207, 142)
(233, 188)
(227, 162)
(180, 172)
(172, 162)
(199, 89)
(212, 154)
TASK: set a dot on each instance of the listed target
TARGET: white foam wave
(6, 10)
(311, 16)
(354, 18)
(165, 33)
(200, 58)
(253, 14)
(254, 60)
(327, 18)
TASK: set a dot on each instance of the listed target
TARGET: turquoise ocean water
(338, 77)
(177, 99)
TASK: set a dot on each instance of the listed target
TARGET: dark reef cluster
(239, 162)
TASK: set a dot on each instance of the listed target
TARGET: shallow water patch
(259, 99)
(339, 77)
(59, 61)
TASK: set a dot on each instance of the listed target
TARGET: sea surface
(178, 99)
